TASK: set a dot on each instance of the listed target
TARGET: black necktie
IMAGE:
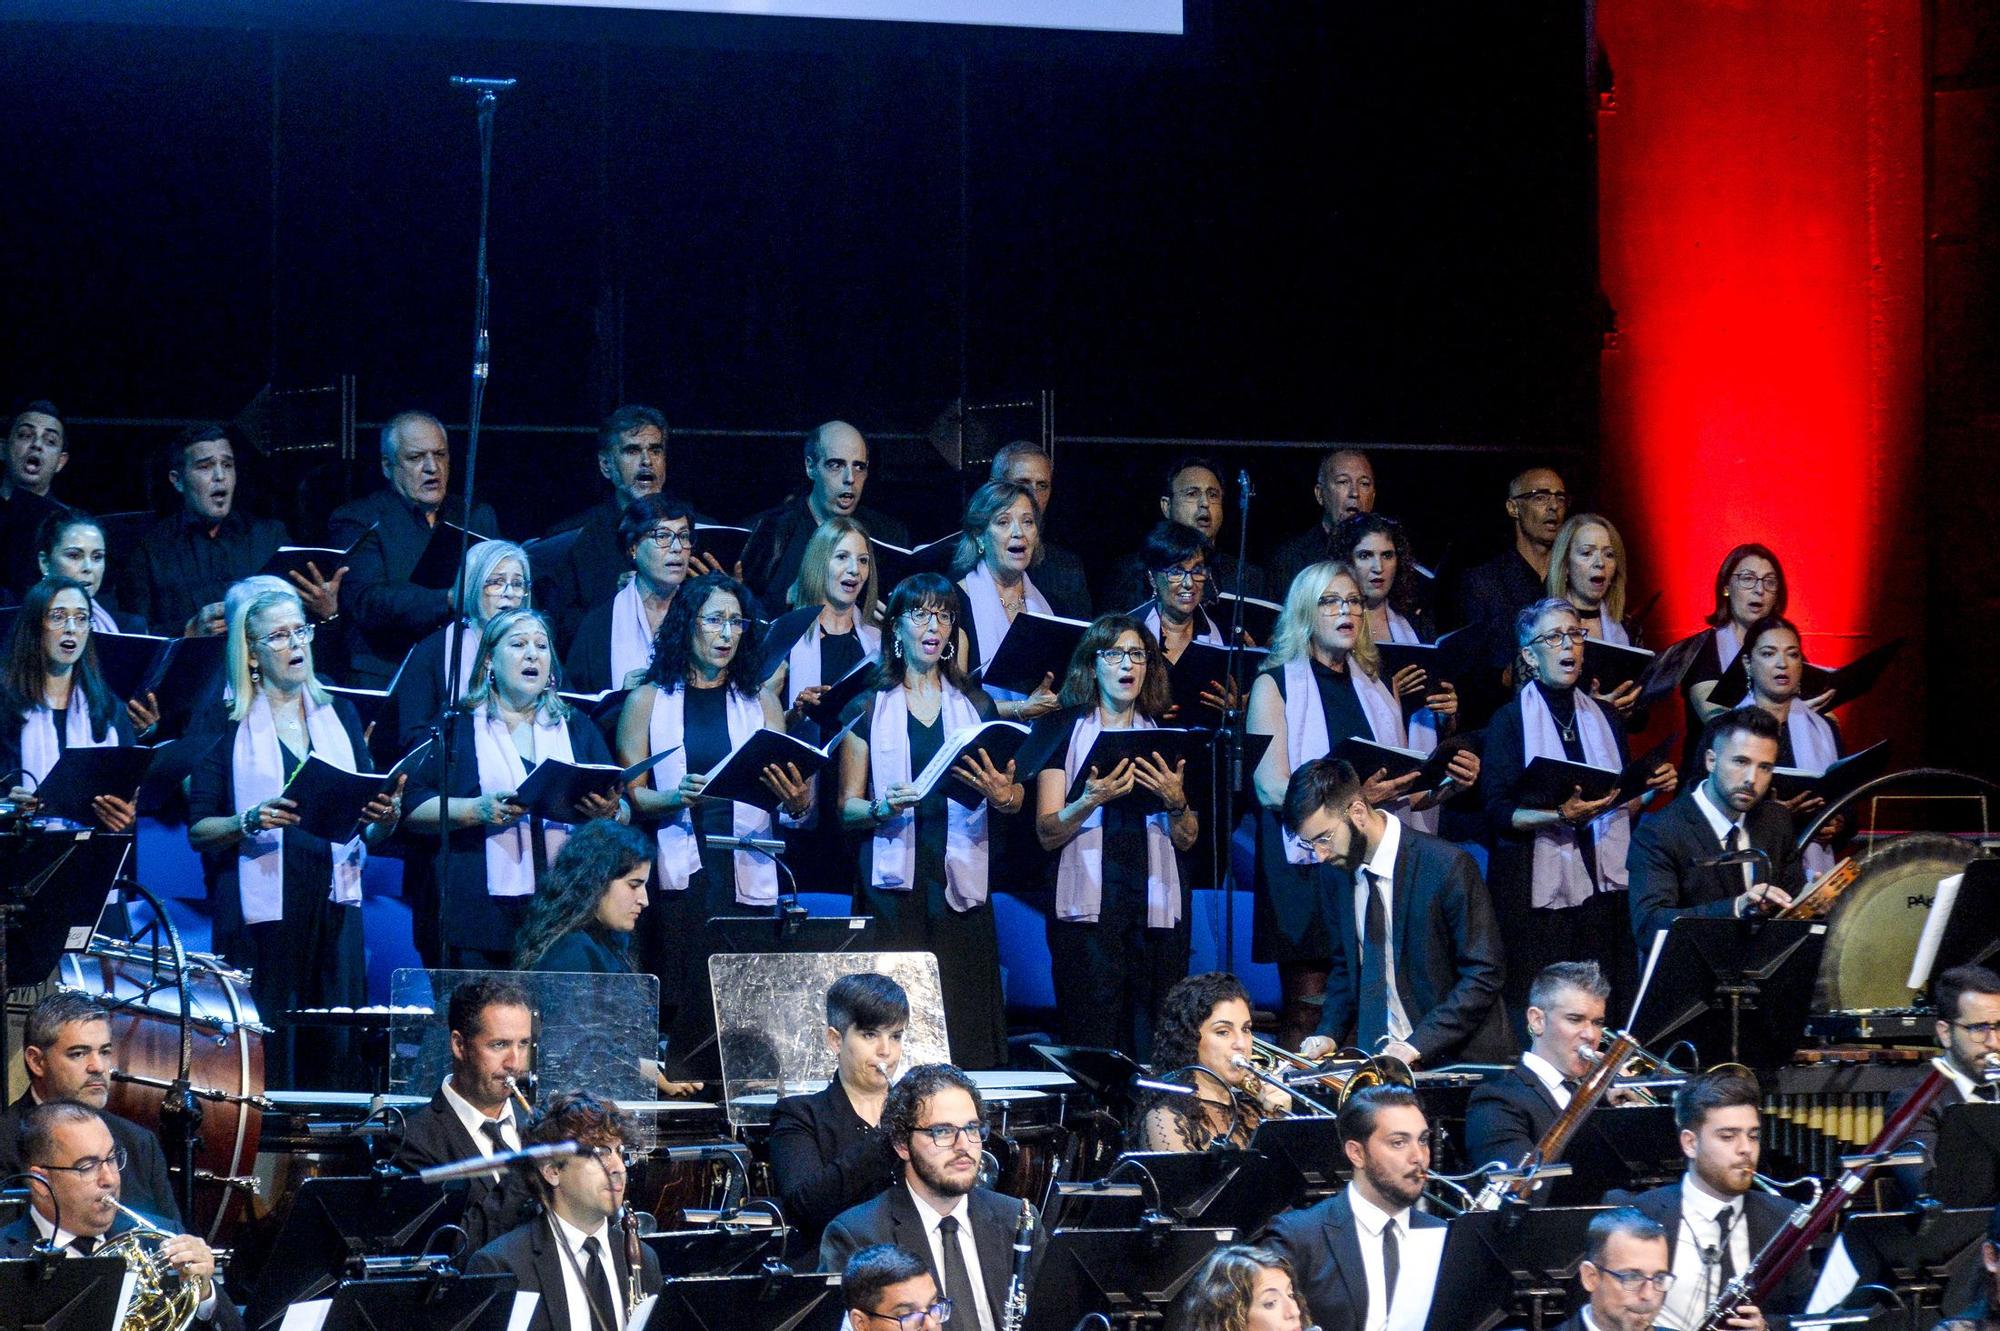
(1724, 1220)
(495, 1133)
(1391, 1264)
(1572, 1085)
(1373, 1021)
(957, 1280)
(84, 1244)
(595, 1287)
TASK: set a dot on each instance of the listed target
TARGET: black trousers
(1110, 978)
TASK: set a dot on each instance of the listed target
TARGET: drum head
(1873, 931)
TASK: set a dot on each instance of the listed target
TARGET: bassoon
(1556, 1140)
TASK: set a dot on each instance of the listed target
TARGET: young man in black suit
(584, 570)
(73, 1203)
(836, 474)
(1417, 958)
(1726, 811)
(68, 1056)
(1967, 1001)
(1717, 1217)
(1347, 1250)
(492, 1040)
(964, 1232)
(1626, 1272)
(1507, 1116)
(886, 1284)
(571, 1254)
(829, 1151)
(389, 612)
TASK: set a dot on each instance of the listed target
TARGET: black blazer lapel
(1345, 1245)
(548, 1264)
(993, 1238)
(1538, 1090)
(1403, 895)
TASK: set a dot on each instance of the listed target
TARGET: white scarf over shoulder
(510, 850)
(1814, 749)
(258, 771)
(989, 620)
(680, 851)
(802, 663)
(894, 852)
(1080, 870)
(1559, 875)
(631, 636)
(1306, 737)
(39, 750)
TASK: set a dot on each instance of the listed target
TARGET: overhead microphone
(1244, 489)
(481, 85)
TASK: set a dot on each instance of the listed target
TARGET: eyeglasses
(1630, 1281)
(1121, 655)
(1979, 1030)
(287, 637)
(944, 1134)
(67, 619)
(673, 538)
(506, 584)
(941, 618)
(90, 1164)
(914, 1321)
(1318, 847)
(1750, 582)
(717, 623)
(1338, 604)
(1544, 497)
(1560, 637)
(1188, 576)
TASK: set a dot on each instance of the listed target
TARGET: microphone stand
(487, 91)
(1226, 744)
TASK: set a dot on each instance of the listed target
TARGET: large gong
(1873, 931)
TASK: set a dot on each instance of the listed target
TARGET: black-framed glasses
(940, 618)
(90, 1164)
(944, 1134)
(1751, 582)
(673, 538)
(1122, 655)
(1185, 576)
(1630, 1281)
(507, 584)
(1560, 637)
(1544, 497)
(914, 1321)
(1979, 1030)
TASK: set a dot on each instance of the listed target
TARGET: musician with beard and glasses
(583, 571)
(1968, 1026)
(964, 1232)
(1347, 1250)
(1626, 1272)
(1718, 1221)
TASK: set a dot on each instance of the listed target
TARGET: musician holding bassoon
(1968, 1026)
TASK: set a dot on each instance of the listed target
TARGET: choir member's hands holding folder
(1395, 771)
(563, 792)
(1148, 767)
(1579, 792)
(769, 770)
(95, 786)
(333, 803)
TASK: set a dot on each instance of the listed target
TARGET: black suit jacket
(1060, 578)
(143, 1186)
(1507, 1116)
(389, 612)
(825, 1160)
(892, 1218)
(18, 1240)
(1447, 946)
(1914, 1181)
(434, 1136)
(583, 572)
(1764, 1214)
(777, 541)
(1324, 1246)
(531, 1252)
(1661, 864)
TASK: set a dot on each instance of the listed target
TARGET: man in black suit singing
(1417, 959)
(1626, 1272)
(74, 1206)
(936, 1123)
(1967, 1002)
(571, 1254)
(1718, 1219)
(1347, 1250)
(1508, 1115)
(492, 1041)
(68, 1055)
(584, 570)
(389, 611)
(1726, 812)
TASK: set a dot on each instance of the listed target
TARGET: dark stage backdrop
(1366, 222)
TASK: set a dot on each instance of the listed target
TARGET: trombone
(1343, 1073)
(1645, 1072)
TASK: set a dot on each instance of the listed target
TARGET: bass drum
(1874, 928)
(227, 1055)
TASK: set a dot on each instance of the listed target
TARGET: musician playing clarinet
(1968, 1026)
(1718, 1220)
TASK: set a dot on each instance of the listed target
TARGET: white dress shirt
(1720, 823)
(1696, 1280)
(1381, 868)
(474, 1121)
(1545, 1072)
(1369, 1222)
(573, 1238)
(962, 1319)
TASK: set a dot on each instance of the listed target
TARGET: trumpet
(1342, 1075)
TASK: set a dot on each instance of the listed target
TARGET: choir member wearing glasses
(1557, 875)
(999, 541)
(1204, 1027)
(1177, 559)
(1749, 585)
(614, 642)
(496, 851)
(53, 698)
(926, 867)
(1776, 663)
(1119, 936)
(1320, 685)
(292, 898)
(497, 579)
(1587, 569)
(701, 698)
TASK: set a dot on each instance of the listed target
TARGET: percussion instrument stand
(180, 1107)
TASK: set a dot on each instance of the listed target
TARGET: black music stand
(1518, 1257)
(1130, 1276)
(335, 1224)
(53, 882)
(1309, 1144)
(714, 1252)
(767, 1302)
(1743, 986)
(1237, 1190)
(1967, 1156)
(445, 1301)
(53, 1294)
(1929, 1256)
(1635, 1147)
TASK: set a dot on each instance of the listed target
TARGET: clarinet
(628, 1220)
(1015, 1315)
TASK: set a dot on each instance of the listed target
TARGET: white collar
(575, 1237)
(1545, 1071)
(1699, 1202)
(929, 1215)
(472, 1116)
(1718, 821)
(55, 1238)
(1966, 1085)
(1383, 862)
(1372, 1218)
(1589, 1322)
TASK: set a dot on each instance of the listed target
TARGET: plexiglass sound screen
(1161, 16)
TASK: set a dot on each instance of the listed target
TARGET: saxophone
(1015, 1314)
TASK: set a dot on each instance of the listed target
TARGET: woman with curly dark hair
(1379, 550)
(1119, 936)
(1243, 1288)
(1204, 1027)
(588, 903)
